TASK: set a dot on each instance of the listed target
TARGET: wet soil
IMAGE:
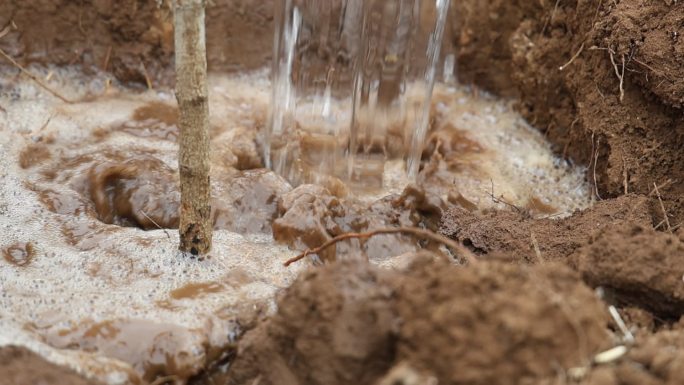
(20, 366)
(597, 78)
(350, 322)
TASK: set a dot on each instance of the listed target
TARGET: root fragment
(537, 251)
(620, 75)
(662, 207)
(463, 252)
(595, 155)
(573, 58)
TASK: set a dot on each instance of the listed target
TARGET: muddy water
(154, 349)
(101, 204)
(194, 290)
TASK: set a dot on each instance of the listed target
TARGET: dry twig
(466, 254)
(34, 78)
(501, 199)
(595, 155)
(156, 224)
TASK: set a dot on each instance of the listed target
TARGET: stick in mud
(463, 252)
(193, 157)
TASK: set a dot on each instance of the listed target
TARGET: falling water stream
(352, 85)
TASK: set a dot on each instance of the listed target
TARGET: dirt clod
(639, 263)
(509, 233)
(334, 326)
(349, 322)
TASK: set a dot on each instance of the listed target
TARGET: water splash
(352, 84)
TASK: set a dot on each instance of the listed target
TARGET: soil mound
(594, 76)
(497, 323)
(493, 323)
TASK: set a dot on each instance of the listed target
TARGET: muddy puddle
(89, 193)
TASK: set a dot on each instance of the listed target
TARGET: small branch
(156, 224)
(466, 254)
(501, 200)
(35, 78)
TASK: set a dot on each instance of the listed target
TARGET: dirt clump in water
(310, 215)
(19, 254)
(350, 322)
(642, 265)
(34, 154)
(139, 192)
(20, 366)
(138, 189)
(334, 326)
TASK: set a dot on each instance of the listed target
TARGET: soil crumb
(20, 366)
(350, 322)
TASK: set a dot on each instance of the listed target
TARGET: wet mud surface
(597, 79)
(20, 366)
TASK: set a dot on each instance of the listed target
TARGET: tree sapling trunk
(193, 157)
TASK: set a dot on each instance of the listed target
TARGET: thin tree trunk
(193, 157)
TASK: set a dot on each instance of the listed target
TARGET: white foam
(58, 290)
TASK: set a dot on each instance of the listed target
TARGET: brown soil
(512, 234)
(598, 78)
(132, 39)
(643, 266)
(351, 323)
(19, 366)
(515, 48)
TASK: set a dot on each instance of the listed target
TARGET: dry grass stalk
(35, 78)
